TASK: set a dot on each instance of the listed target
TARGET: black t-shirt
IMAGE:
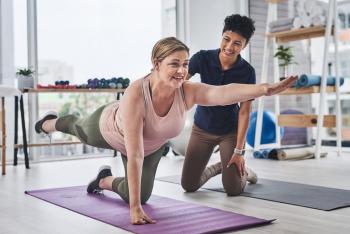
(219, 120)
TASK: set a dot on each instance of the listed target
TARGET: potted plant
(25, 79)
(285, 57)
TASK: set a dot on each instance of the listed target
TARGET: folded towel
(297, 22)
(281, 28)
(318, 20)
(281, 22)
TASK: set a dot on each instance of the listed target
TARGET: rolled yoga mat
(172, 216)
(258, 154)
(315, 197)
(293, 153)
(263, 153)
(315, 80)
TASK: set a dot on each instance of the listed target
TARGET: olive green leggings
(149, 168)
(87, 130)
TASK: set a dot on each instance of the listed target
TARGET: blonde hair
(167, 46)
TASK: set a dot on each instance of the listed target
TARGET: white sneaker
(252, 177)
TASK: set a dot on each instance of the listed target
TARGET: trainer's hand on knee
(239, 163)
(139, 217)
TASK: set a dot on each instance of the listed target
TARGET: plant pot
(25, 82)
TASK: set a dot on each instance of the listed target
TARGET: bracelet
(239, 151)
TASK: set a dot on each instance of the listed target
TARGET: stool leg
(24, 132)
(15, 153)
(3, 127)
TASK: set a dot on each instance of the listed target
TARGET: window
(83, 39)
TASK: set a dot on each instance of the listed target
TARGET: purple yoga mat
(172, 216)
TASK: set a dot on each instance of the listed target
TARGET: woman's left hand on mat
(139, 217)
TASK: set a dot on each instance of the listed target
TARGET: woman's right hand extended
(272, 89)
(139, 217)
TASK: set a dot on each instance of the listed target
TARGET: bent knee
(189, 187)
(144, 200)
(145, 197)
(233, 190)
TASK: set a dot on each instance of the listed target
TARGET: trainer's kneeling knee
(233, 191)
(190, 188)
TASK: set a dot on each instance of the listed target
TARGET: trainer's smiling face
(231, 44)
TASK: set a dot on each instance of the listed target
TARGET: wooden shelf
(298, 34)
(303, 121)
(276, 1)
(50, 144)
(307, 90)
(74, 91)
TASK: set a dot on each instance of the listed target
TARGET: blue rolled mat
(263, 153)
(257, 154)
(315, 80)
(266, 153)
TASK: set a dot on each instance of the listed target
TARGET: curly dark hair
(242, 25)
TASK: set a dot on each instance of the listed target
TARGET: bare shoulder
(134, 91)
(134, 87)
(133, 98)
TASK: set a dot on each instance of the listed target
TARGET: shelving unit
(307, 90)
(117, 91)
(298, 34)
(320, 120)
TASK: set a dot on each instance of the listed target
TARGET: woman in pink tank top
(151, 111)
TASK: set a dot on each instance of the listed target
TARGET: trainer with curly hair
(225, 126)
(152, 110)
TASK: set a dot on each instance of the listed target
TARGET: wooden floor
(20, 213)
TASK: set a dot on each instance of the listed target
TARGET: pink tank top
(156, 130)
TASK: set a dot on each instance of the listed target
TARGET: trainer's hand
(239, 162)
(272, 89)
(139, 217)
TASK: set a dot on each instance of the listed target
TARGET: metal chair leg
(3, 127)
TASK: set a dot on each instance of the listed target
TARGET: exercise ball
(268, 132)
(179, 143)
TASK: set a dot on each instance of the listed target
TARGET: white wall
(7, 67)
(6, 43)
(206, 21)
(200, 23)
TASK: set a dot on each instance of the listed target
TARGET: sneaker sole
(93, 182)
(37, 128)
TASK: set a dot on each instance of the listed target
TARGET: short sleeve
(194, 65)
(252, 76)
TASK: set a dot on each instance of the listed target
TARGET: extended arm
(209, 95)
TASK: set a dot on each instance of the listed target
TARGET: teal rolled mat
(315, 80)
(266, 153)
(257, 154)
(263, 153)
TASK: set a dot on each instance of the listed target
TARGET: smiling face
(231, 45)
(173, 69)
